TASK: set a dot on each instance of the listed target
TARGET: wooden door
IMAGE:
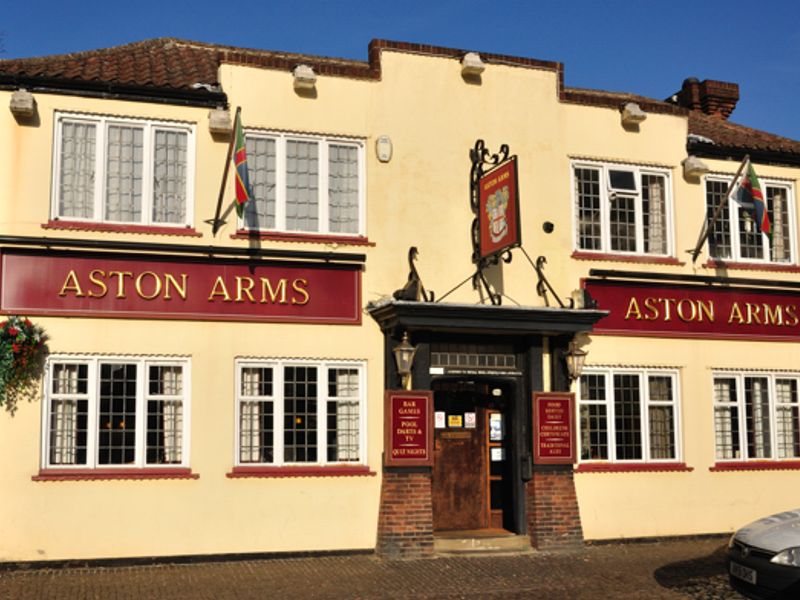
(460, 498)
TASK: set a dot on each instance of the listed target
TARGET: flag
(240, 162)
(750, 196)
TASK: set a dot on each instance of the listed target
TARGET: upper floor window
(300, 413)
(122, 171)
(622, 209)
(756, 416)
(628, 415)
(115, 412)
(734, 235)
(305, 184)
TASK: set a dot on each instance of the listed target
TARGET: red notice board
(554, 438)
(408, 428)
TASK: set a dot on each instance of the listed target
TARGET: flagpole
(216, 223)
(707, 225)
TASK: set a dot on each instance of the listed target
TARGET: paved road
(646, 571)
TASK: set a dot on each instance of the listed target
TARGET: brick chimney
(715, 98)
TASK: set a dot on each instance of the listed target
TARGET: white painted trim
(93, 400)
(323, 145)
(322, 367)
(605, 197)
(148, 149)
(643, 374)
(736, 249)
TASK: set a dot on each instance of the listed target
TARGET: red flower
(15, 348)
(27, 323)
(13, 331)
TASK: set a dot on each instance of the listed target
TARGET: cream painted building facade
(238, 416)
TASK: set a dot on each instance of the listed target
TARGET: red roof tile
(732, 135)
(162, 62)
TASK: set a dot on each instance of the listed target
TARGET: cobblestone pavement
(653, 570)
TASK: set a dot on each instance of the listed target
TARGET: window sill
(757, 465)
(656, 260)
(311, 238)
(653, 467)
(741, 266)
(106, 474)
(315, 471)
(121, 228)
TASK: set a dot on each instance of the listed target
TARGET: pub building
(435, 325)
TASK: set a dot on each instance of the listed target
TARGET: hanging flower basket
(23, 350)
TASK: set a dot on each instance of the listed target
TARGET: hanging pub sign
(694, 311)
(94, 284)
(498, 214)
(494, 199)
(554, 439)
(408, 428)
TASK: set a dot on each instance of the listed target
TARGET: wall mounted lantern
(22, 104)
(219, 121)
(472, 65)
(632, 114)
(575, 358)
(694, 167)
(304, 78)
(404, 357)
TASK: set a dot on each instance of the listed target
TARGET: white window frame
(322, 367)
(739, 377)
(733, 209)
(608, 374)
(323, 216)
(93, 400)
(149, 127)
(606, 193)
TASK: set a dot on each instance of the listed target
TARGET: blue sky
(639, 46)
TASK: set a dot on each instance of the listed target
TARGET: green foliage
(23, 350)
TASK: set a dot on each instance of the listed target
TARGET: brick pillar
(405, 518)
(553, 517)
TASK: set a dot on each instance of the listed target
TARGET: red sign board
(695, 311)
(408, 428)
(498, 212)
(150, 287)
(554, 440)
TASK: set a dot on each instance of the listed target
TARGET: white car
(764, 557)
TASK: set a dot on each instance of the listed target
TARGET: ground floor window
(115, 412)
(756, 416)
(628, 415)
(299, 412)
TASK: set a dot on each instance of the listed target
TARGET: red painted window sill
(104, 474)
(633, 468)
(121, 228)
(774, 267)
(315, 471)
(757, 465)
(654, 260)
(312, 238)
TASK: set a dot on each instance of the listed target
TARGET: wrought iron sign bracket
(543, 285)
(413, 290)
(484, 161)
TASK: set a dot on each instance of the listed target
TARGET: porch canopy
(395, 315)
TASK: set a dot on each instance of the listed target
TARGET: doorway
(471, 483)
